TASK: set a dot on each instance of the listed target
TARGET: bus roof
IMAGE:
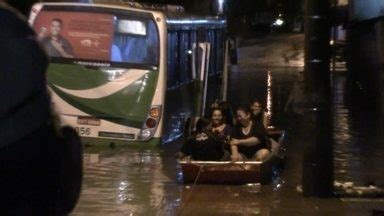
(185, 21)
(175, 14)
(127, 3)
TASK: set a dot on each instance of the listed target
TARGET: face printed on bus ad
(55, 28)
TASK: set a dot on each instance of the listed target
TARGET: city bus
(126, 72)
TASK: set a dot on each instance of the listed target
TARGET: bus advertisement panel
(76, 35)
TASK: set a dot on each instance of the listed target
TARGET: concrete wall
(365, 57)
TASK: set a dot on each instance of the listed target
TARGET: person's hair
(259, 102)
(245, 109)
(202, 123)
(225, 109)
(57, 20)
(214, 109)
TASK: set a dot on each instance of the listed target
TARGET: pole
(224, 87)
(334, 35)
(205, 78)
(317, 178)
(380, 36)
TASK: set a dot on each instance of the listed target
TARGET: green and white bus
(125, 71)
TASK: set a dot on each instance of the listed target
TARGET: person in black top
(202, 145)
(34, 159)
(248, 139)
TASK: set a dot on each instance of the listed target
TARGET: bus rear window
(98, 37)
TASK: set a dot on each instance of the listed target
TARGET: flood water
(139, 181)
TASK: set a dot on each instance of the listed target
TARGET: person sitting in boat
(202, 145)
(249, 139)
(258, 113)
(220, 129)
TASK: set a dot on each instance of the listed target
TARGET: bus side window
(191, 41)
(212, 60)
(183, 57)
(172, 58)
(152, 44)
(219, 50)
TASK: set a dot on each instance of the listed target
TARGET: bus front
(106, 69)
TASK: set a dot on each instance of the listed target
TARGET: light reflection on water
(149, 182)
(358, 150)
(126, 182)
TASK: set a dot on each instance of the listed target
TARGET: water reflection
(357, 145)
(122, 183)
(269, 96)
(224, 200)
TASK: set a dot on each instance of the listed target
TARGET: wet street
(148, 181)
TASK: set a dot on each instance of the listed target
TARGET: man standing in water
(55, 44)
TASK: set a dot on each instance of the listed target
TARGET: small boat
(225, 172)
(239, 172)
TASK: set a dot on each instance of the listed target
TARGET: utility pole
(317, 178)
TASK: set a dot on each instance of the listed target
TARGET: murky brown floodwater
(134, 181)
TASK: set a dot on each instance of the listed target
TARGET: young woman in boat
(249, 141)
(258, 113)
(221, 130)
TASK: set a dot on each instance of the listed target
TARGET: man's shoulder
(6, 10)
(13, 24)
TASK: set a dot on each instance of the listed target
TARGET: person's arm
(251, 141)
(235, 156)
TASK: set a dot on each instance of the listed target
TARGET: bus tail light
(150, 123)
(154, 112)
